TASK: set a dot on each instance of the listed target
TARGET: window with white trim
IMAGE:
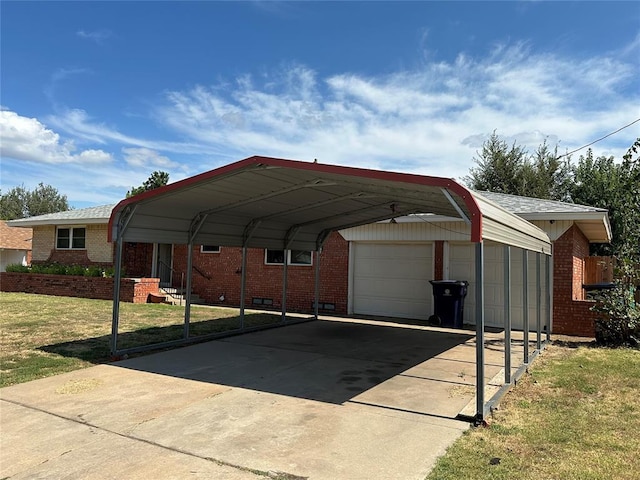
(71, 238)
(294, 257)
(209, 248)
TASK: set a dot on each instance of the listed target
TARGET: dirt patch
(79, 386)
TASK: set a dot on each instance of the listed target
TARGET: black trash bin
(448, 296)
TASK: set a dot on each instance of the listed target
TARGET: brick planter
(131, 290)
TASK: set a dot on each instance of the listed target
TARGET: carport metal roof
(284, 204)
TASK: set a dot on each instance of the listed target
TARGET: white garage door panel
(392, 280)
(462, 267)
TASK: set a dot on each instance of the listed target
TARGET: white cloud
(99, 36)
(27, 139)
(145, 157)
(78, 123)
(431, 120)
(422, 121)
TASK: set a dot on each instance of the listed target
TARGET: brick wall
(265, 281)
(137, 259)
(97, 252)
(44, 238)
(571, 312)
(74, 286)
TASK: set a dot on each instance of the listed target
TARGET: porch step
(177, 296)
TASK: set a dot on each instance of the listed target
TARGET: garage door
(462, 267)
(393, 280)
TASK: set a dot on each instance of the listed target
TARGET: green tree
(620, 313)
(155, 180)
(500, 168)
(546, 175)
(598, 183)
(13, 204)
(510, 169)
(20, 202)
(46, 199)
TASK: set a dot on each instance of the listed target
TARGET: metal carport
(263, 202)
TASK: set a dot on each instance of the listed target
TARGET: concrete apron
(332, 399)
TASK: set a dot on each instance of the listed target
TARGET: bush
(78, 270)
(94, 271)
(58, 269)
(17, 268)
(619, 320)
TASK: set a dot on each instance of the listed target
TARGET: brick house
(15, 245)
(379, 269)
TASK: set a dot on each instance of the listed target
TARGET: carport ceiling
(284, 204)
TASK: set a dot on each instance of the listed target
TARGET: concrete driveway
(330, 399)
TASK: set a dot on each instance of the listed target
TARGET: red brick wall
(137, 259)
(265, 281)
(72, 257)
(75, 286)
(571, 312)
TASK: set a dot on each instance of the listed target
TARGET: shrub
(17, 268)
(619, 323)
(58, 269)
(94, 271)
(78, 270)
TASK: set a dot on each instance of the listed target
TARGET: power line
(596, 141)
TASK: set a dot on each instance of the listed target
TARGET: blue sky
(96, 95)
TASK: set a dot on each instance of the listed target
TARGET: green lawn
(576, 416)
(44, 335)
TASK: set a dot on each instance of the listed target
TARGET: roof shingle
(14, 238)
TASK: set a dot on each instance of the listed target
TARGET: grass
(44, 335)
(575, 416)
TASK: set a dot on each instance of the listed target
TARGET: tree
(13, 204)
(512, 170)
(598, 183)
(21, 203)
(155, 180)
(546, 175)
(620, 312)
(500, 168)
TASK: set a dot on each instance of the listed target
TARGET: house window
(71, 238)
(295, 257)
(210, 249)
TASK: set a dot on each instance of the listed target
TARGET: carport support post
(479, 332)
(539, 306)
(243, 285)
(525, 304)
(316, 293)
(284, 285)
(115, 318)
(549, 299)
(507, 313)
(187, 307)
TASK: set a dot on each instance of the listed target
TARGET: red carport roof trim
(450, 184)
